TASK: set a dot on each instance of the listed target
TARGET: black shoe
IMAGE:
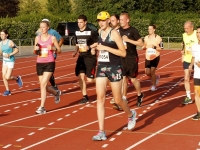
(84, 100)
(139, 101)
(196, 117)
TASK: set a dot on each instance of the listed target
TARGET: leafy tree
(59, 6)
(9, 8)
(29, 7)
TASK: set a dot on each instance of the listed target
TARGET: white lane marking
(67, 115)
(144, 111)
(154, 134)
(59, 119)
(105, 145)
(199, 143)
(16, 107)
(140, 115)
(7, 146)
(6, 110)
(31, 133)
(41, 128)
(112, 139)
(20, 139)
(74, 111)
(148, 107)
(119, 133)
(81, 108)
(51, 123)
(25, 104)
(13, 89)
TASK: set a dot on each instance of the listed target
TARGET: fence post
(168, 42)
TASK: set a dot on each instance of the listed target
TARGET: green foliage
(59, 6)
(29, 7)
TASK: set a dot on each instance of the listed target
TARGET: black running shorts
(130, 67)
(152, 63)
(45, 67)
(86, 64)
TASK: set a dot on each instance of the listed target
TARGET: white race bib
(103, 56)
(151, 51)
(44, 52)
(5, 58)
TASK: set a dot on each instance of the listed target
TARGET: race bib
(103, 56)
(188, 50)
(82, 47)
(5, 56)
(151, 51)
(44, 52)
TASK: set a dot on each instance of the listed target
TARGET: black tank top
(106, 57)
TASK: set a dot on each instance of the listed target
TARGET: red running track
(162, 121)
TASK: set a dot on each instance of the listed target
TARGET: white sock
(188, 94)
(123, 97)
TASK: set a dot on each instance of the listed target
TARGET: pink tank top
(46, 55)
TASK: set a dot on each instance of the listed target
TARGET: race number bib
(151, 51)
(82, 47)
(188, 50)
(103, 56)
(5, 56)
(44, 52)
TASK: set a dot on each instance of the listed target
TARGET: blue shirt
(6, 49)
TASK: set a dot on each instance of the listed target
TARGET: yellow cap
(103, 15)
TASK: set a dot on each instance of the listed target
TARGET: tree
(59, 6)
(9, 8)
(29, 7)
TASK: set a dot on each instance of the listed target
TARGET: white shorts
(9, 64)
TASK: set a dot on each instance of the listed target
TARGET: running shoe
(112, 101)
(117, 107)
(57, 96)
(6, 93)
(84, 101)
(132, 121)
(101, 135)
(139, 101)
(41, 110)
(196, 117)
(19, 81)
(153, 88)
(157, 79)
(55, 87)
(187, 101)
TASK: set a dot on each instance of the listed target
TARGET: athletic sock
(188, 94)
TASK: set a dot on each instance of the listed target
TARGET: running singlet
(152, 53)
(189, 40)
(6, 49)
(106, 57)
(46, 55)
(85, 38)
(133, 34)
(196, 54)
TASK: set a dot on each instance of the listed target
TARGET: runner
(114, 23)
(46, 63)
(86, 62)
(131, 39)
(8, 49)
(152, 44)
(196, 63)
(60, 40)
(110, 49)
(189, 39)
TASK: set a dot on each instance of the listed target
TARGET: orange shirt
(149, 42)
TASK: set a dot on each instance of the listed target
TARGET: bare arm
(55, 42)
(137, 43)
(60, 43)
(15, 49)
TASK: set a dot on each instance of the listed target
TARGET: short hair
(125, 13)
(82, 17)
(153, 25)
(198, 27)
(116, 16)
(190, 22)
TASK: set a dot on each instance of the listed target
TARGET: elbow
(124, 54)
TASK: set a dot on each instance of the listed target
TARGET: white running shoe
(132, 121)
(41, 110)
(100, 136)
(153, 88)
(112, 101)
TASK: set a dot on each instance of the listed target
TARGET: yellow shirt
(189, 41)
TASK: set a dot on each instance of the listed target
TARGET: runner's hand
(190, 67)
(93, 51)
(198, 64)
(125, 38)
(101, 47)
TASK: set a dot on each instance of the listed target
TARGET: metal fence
(169, 42)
